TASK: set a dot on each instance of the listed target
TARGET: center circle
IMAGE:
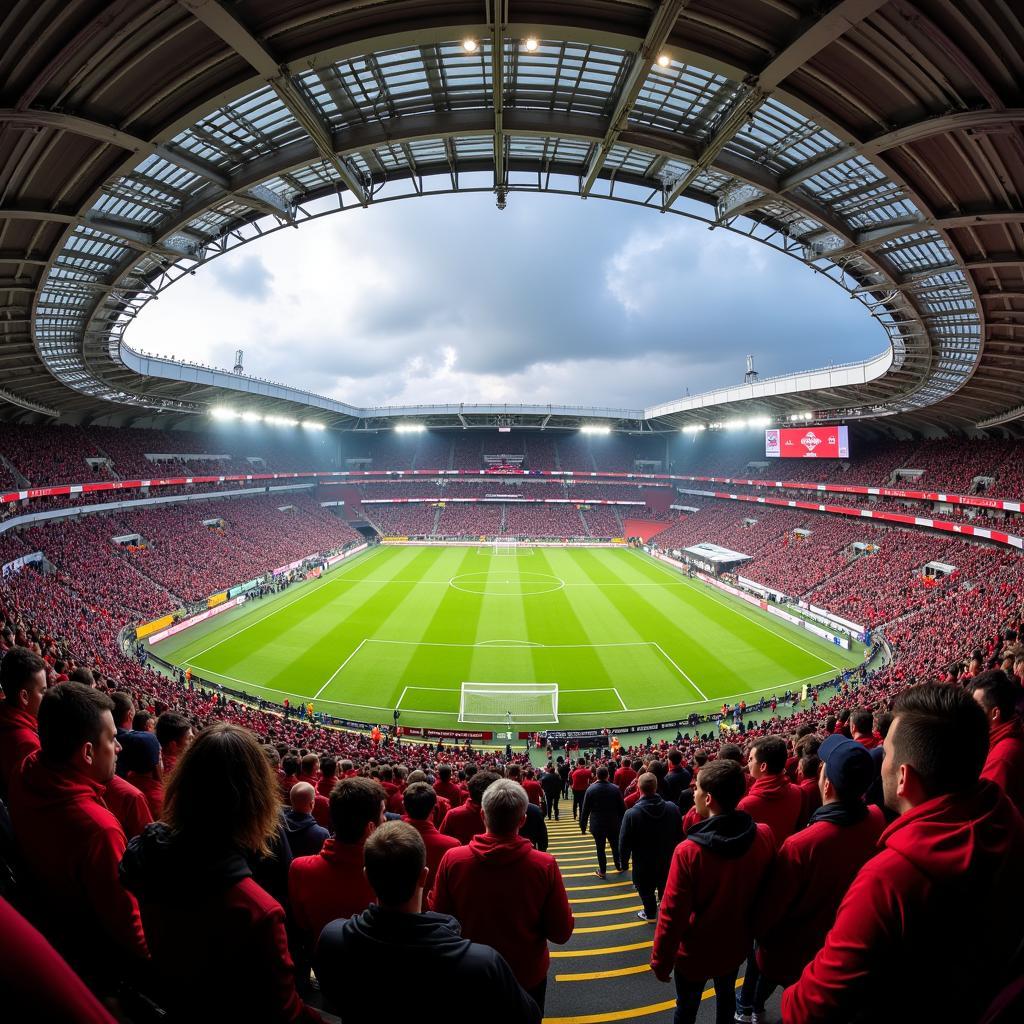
(522, 584)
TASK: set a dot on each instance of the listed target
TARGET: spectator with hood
(812, 871)
(507, 894)
(931, 924)
(200, 903)
(706, 920)
(433, 954)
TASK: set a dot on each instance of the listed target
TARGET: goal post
(505, 545)
(509, 703)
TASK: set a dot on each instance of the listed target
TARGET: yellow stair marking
(603, 951)
(604, 899)
(640, 1011)
(608, 913)
(605, 885)
(609, 927)
(619, 972)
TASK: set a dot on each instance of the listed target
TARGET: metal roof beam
(820, 33)
(497, 22)
(662, 23)
(985, 121)
(989, 217)
(225, 25)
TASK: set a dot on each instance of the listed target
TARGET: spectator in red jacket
(419, 799)
(507, 894)
(174, 731)
(200, 903)
(36, 983)
(808, 783)
(998, 694)
(772, 799)
(444, 786)
(129, 805)
(862, 724)
(23, 682)
(812, 872)
(332, 883)
(534, 790)
(70, 843)
(580, 781)
(929, 927)
(467, 820)
(328, 777)
(706, 918)
(624, 775)
(142, 764)
(434, 956)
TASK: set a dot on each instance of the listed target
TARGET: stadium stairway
(602, 973)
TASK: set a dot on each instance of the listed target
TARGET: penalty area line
(338, 669)
(661, 651)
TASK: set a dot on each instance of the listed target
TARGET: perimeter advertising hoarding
(807, 443)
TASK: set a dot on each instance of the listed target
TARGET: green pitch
(624, 638)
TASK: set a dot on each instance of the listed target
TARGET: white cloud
(552, 300)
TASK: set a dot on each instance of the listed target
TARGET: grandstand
(193, 555)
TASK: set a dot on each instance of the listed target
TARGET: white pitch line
(279, 607)
(402, 697)
(621, 701)
(338, 669)
(679, 670)
(499, 644)
(742, 614)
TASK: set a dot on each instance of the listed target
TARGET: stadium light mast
(750, 377)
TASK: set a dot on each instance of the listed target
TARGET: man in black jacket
(678, 778)
(603, 808)
(356, 957)
(650, 832)
(552, 786)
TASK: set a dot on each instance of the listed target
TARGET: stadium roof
(881, 142)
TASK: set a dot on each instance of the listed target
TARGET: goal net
(509, 703)
(504, 546)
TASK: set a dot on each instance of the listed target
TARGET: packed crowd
(800, 859)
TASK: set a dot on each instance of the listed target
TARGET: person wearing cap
(142, 760)
(812, 872)
(930, 928)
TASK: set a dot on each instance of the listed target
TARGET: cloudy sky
(447, 299)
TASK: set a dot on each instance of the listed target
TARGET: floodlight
(664, 60)
(222, 412)
(410, 428)
(313, 425)
(734, 424)
(282, 421)
(759, 421)
(593, 428)
(470, 45)
(530, 43)
(693, 428)
(252, 417)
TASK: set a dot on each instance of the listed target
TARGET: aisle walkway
(601, 974)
